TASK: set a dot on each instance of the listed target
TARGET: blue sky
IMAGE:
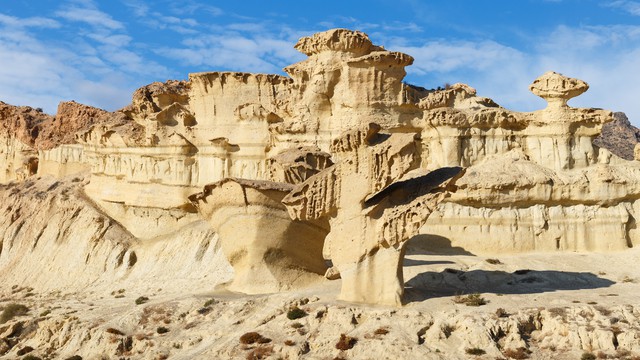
(98, 53)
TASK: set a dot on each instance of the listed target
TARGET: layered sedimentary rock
(370, 213)
(269, 251)
(18, 158)
(534, 181)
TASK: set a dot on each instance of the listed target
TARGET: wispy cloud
(176, 20)
(37, 22)
(100, 66)
(632, 7)
(89, 15)
(604, 56)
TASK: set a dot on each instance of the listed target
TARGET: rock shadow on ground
(450, 282)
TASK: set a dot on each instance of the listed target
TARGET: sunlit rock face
(533, 181)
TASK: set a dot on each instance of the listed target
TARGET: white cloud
(100, 66)
(244, 46)
(447, 56)
(37, 22)
(93, 17)
(604, 56)
(632, 7)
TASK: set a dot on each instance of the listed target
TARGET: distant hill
(619, 136)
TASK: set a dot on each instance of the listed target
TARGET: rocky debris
(619, 137)
(241, 328)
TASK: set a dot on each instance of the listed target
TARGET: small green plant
(346, 342)
(470, 300)
(12, 310)
(475, 351)
(588, 356)
(210, 302)
(162, 330)
(141, 300)
(204, 311)
(296, 313)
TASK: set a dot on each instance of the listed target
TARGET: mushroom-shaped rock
(268, 251)
(557, 89)
(371, 218)
(339, 40)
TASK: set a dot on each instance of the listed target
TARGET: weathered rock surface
(111, 206)
(367, 238)
(268, 250)
(619, 137)
(555, 312)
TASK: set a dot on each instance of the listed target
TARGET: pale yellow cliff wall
(178, 136)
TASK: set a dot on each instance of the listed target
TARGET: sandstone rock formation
(534, 181)
(371, 215)
(269, 252)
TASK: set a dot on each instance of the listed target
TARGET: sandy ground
(538, 306)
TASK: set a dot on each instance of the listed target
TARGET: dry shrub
(114, 331)
(381, 331)
(260, 353)
(289, 342)
(297, 325)
(155, 314)
(296, 313)
(447, 330)
(346, 342)
(253, 338)
(470, 300)
(24, 350)
(475, 351)
(558, 312)
(12, 310)
(502, 313)
(141, 300)
(518, 354)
